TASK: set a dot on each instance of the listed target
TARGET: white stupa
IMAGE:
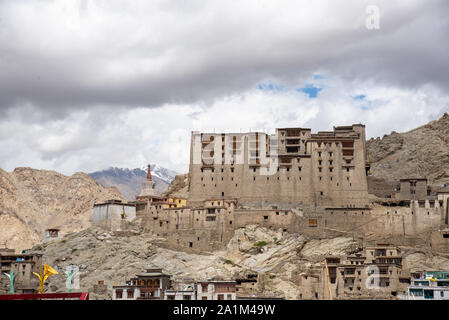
(148, 185)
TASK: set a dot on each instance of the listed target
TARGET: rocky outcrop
(179, 187)
(422, 152)
(34, 200)
(278, 256)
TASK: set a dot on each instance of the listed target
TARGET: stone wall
(212, 225)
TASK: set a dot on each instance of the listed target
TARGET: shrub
(260, 244)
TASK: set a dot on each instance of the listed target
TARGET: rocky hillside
(179, 187)
(129, 182)
(115, 258)
(34, 200)
(421, 152)
(280, 257)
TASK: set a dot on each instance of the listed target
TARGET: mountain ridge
(129, 181)
(422, 152)
(33, 200)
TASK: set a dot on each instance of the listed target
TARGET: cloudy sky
(88, 84)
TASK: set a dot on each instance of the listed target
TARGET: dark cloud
(98, 53)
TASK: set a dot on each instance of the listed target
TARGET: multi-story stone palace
(294, 181)
(292, 167)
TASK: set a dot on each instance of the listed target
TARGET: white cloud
(75, 54)
(93, 140)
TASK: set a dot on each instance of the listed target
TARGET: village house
(184, 290)
(378, 272)
(216, 290)
(156, 285)
(23, 265)
(429, 285)
(150, 285)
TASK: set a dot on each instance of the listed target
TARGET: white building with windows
(181, 291)
(216, 290)
(429, 285)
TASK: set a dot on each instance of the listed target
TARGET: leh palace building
(314, 184)
(323, 169)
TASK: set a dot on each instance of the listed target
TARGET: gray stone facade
(291, 167)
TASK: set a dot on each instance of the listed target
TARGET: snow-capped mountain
(162, 173)
(129, 181)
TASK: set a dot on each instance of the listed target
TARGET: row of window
(255, 169)
(278, 178)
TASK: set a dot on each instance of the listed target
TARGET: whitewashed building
(111, 214)
(181, 291)
(216, 290)
(429, 285)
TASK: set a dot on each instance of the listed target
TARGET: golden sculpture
(43, 276)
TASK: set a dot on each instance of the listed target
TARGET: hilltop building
(113, 214)
(295, 181)
(149, 196)
(147, 185)
(51, 234)
(291, 167)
